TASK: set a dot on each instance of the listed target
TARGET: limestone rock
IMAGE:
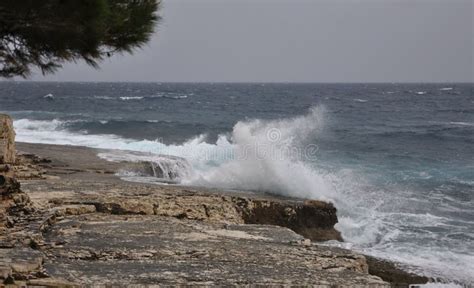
(149, 249)
(7, 140)
(19, 263)
(12, 200)
(51, 282)
(312, 219)
(389, 272)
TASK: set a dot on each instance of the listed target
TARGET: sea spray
(271, 156)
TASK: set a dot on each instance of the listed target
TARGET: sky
(298, 41)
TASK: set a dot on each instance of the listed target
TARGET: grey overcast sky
(299, 41)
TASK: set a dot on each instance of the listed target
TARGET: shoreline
(80, 191)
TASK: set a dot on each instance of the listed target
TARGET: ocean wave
(175, 96)
(170, 95)
(56, 132)
(462, 123)
(103, 97)
(260, 150)
(442, 132)
(127, 98)
(164, 95)
(175, 131)
(31, 113)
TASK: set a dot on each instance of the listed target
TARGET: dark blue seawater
(396, 159)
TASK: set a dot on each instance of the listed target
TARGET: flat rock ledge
(86, 227)
(118, 249)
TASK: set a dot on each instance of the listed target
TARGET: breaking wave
(270, 156)
(165, 95)
(127, 98)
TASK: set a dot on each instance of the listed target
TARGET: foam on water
(158, 167)
(462, 123)
(279, 156)
(269, 156)
(126, 98)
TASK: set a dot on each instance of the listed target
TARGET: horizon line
(240, 82)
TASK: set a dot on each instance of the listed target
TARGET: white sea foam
(462, 123)
(172, 95)
(166, 168)
(446, 89)
(103, 97)
(176, 96)
(127, 98)
(268, 156)
(272, 156)
(53, 132)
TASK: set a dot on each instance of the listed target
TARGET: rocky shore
(74, 223)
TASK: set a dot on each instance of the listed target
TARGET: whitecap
(126, 98)
(103, 97)
(462, 123)
(171, 95)
(175, 96)
(360, 100)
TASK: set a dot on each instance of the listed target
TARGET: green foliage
(47, 33)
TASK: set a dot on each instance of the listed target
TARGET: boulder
(7, 140)
(13, 201)
(312, 219)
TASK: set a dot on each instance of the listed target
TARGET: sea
(397, 160)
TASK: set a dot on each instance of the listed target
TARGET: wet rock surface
(89, 227)
(390, 272)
